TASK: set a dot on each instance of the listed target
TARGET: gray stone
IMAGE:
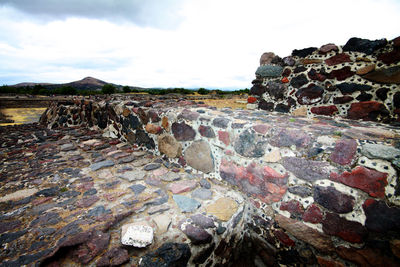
(67, 147)
(269, 71)
(186, 204)
(202, 193)
(380, 151)
(198, 155)
(169, 254)
(221, 122)
(152, 166)
(137, 188)
(101, 164)
(170, 177)
(133, 175)
(158, 209)
(308, 170)
(250, 145)
(204, 183)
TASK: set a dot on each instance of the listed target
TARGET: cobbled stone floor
(62, 187)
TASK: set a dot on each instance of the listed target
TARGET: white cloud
(217, 44)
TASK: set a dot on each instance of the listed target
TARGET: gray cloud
(153, 13)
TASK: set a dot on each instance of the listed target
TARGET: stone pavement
(161, 183)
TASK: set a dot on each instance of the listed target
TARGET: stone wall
(316, 191)
(360, 80)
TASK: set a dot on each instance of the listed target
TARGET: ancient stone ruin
(141, 181)
(360, 81)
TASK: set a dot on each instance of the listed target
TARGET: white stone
(138, 236)
(133, 175)
(163, 222)
(19, 194)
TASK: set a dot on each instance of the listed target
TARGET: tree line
(109, 89)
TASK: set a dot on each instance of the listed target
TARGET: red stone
(327, 262)
(367, 110)
(350, 231)
(261, 128)
(324, 110)
(338, 59)
(344, 151)
(294, 207)
(284, 238)
(224, 137)
(262, 182)
(390, 57)
(285, 80)
(313, 214)
(396, 42)
(251, 99)
(370, 181)
(314, 75)
(366, 256)
(341, 74)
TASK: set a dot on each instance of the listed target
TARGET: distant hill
(87, 84)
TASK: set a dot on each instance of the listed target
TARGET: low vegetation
(110, 89)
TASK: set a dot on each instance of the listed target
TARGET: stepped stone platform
(147, 182)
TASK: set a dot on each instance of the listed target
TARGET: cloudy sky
(174, 43)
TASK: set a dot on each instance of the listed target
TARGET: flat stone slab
(138, 236)
(223, 208)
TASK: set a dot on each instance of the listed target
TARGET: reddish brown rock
(333, 199)
(396, 42)
(224, 137)
(308, 61)
(183, 132)
(153, 129)
(338, 59)
(328, 48)
(370, 181)
(260, 181)
(344, 151)
(261, 128)
(386, 75)
(164, 123)
(390, 57)
(309, 95)
(251, 99)
(284, 238)
(326, 262)
(113, 257)
(380, 217)
(309, 235)
(342, 99)
(341, 74)
(85, 252)
(366, 257)
(366, 69)
(350, 231)
(294, 207)
(206, 131)
(313, 214)
(182, 186)
(316, 76)
(324, 110)
(368, 110)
